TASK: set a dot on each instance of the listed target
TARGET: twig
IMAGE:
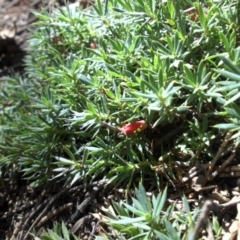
(54, 198)
(17, 227)
(9, 6)
(93, 184)
(27, 218)
(22, 208)
(220, 168)
(94, 230)
(81, 208)
(235, 168)
(191, 174)
(209, 230)
(34, 212)
(78, 224)
(104, 124)
(200, 189)
(234, 201)
(219, 153)
(217, 196)
(202, 218)
(229, 174)
(54, 213)
(180, 193)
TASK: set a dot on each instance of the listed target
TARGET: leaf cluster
(152, 218)
(119, 62)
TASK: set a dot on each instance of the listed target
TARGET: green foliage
(149, 218)
(168, 62)
(216, 227)
(58, 232)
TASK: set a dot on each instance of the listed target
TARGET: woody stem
(110, 127)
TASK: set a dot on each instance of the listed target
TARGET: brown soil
(16, 19)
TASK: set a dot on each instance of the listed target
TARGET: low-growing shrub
(92, 74)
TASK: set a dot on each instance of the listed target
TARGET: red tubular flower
(131, 128)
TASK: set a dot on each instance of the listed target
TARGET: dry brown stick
(202, 218)
(34, 3)
(9, 6)
(22, 208)
(45, 209)
(229, 174)
(94, 230)
(116, 129)
(54, 213)
(78, 224)
(17, 228)
(35, 211)
(180, 193)
(81, 208)
(219, 153)
(232, 202)
(24, 221)
(93, 184)
(209, 230)
(191, 174)
(220, 168)
(88, 199)
(217, 196)
(235, 168)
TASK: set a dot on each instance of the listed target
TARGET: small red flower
(131, 128)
